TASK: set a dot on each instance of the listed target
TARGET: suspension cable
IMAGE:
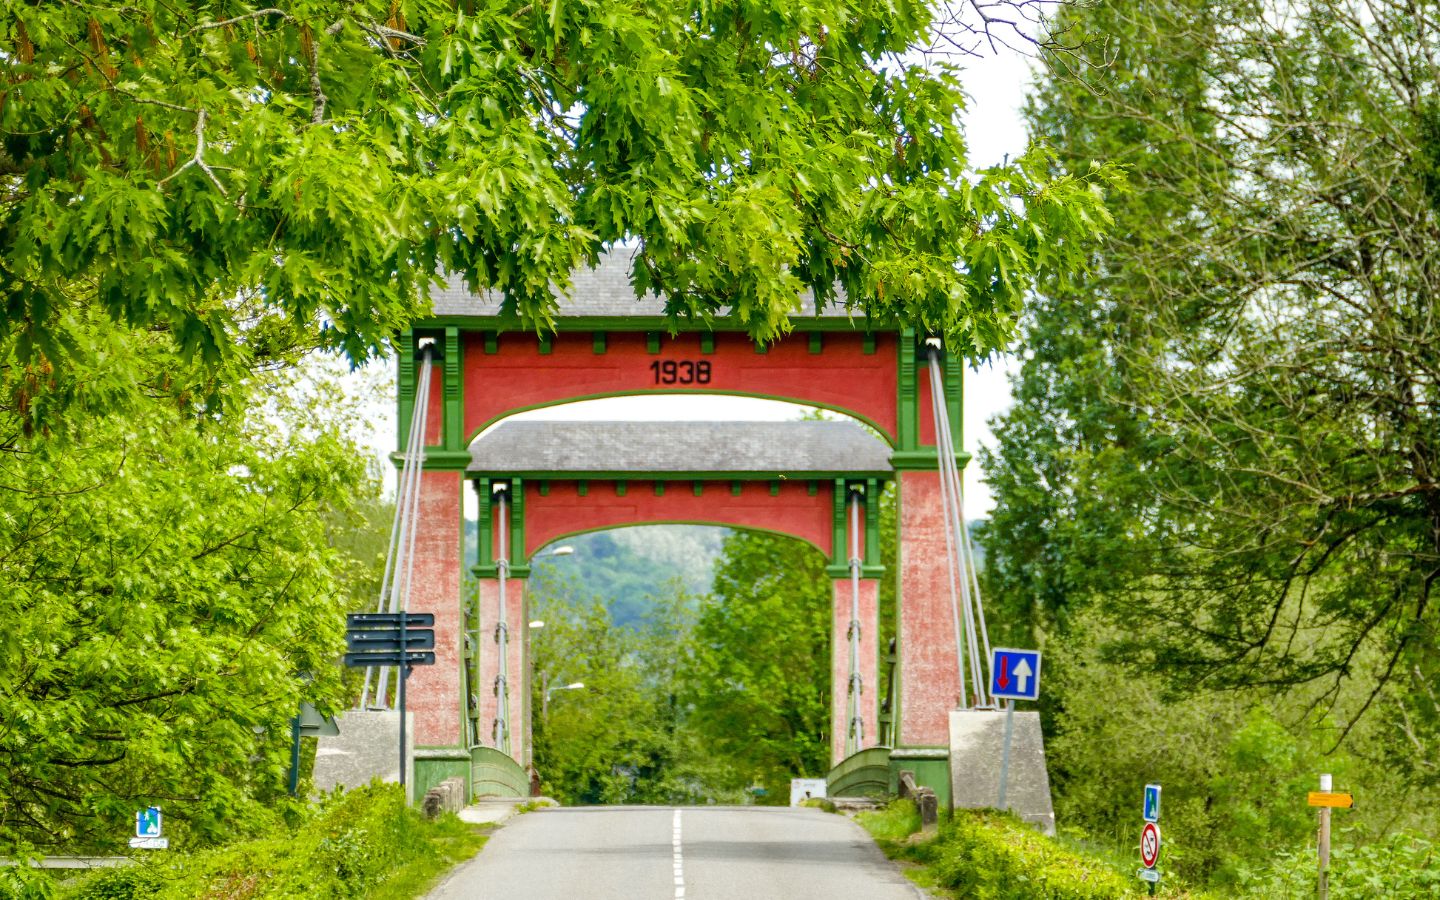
(961, 563)
(409, 523)
(394, 541)
(502, 629)
(855, 737)
(949, 477)
(967, 562)
(407, 491)
(962, 642)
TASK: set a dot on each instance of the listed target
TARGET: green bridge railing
(862, 774)
(495, 774)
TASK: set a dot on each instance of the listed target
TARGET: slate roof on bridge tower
(602, 292)
(639, 449)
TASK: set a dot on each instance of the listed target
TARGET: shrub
(365, 843)
(896, 821)
(1403, 867)
(994, 856)
(137, 882)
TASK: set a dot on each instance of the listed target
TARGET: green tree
(621, 738)
(1230, 431)
(164, 587)
(758, 685)
(254, 177)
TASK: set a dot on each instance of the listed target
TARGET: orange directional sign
(1325, 798)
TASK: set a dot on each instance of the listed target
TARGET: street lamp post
(546, 691)
(564, 550)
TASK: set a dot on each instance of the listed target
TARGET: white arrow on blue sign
(1015, 674)
(147, 822)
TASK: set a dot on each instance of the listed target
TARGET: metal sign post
(404, 678)
(1327, 800)
(1014, 675)
(401, 639)
(309, 723)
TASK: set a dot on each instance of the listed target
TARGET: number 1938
(681, 371)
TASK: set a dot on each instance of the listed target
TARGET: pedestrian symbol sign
(1015, 674)
(147, 822)
(1152, 803)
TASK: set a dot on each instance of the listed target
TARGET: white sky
(994, 130)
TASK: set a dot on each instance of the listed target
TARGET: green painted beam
(661, 324)
(454, 426)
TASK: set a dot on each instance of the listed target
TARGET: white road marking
(679, 858)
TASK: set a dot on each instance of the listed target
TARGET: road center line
(679, 857)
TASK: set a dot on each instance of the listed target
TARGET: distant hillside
(626, 566)
(976, 528)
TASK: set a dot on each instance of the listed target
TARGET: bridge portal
(537, 482)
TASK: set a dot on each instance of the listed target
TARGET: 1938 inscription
(681, 371)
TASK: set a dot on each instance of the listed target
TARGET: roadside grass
(364, 843)
(891, 823)
(989, 855)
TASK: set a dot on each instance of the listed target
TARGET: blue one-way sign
(1015, 674)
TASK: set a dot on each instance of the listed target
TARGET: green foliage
(127, 883)
(1228, 431)
(758, 683)
(255, 179)
(993, 856)
(1235, 766)
(1401, 867)
(895, 822)
(620, 739)
(22, 882)
(366, 843)
(1216, 503)
(164, 587)
(700, 699)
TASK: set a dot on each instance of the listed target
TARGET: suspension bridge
(915, 705)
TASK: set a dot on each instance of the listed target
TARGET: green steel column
(454, 435)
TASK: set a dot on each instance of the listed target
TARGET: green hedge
(990, 856)
(986, 855)
(365, 843)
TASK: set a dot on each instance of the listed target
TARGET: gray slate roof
(602, 291)
(756, 448)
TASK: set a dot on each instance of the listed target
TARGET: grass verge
(988, 855)
(365, 843)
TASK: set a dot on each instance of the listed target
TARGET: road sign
(1149, 845)
(148, 822)
(313, 724)
(1015, 674)
(1335, 800)
(399, 639)
(391, 639)
(1149, 875)
(390, 658)
(389, 620)
(1152, 803)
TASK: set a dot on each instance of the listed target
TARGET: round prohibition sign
(1150, 845)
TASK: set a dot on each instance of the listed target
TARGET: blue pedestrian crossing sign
(1152, 803)
(1015, 674)
(147, 822)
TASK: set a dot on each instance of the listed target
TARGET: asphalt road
(693, 853)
